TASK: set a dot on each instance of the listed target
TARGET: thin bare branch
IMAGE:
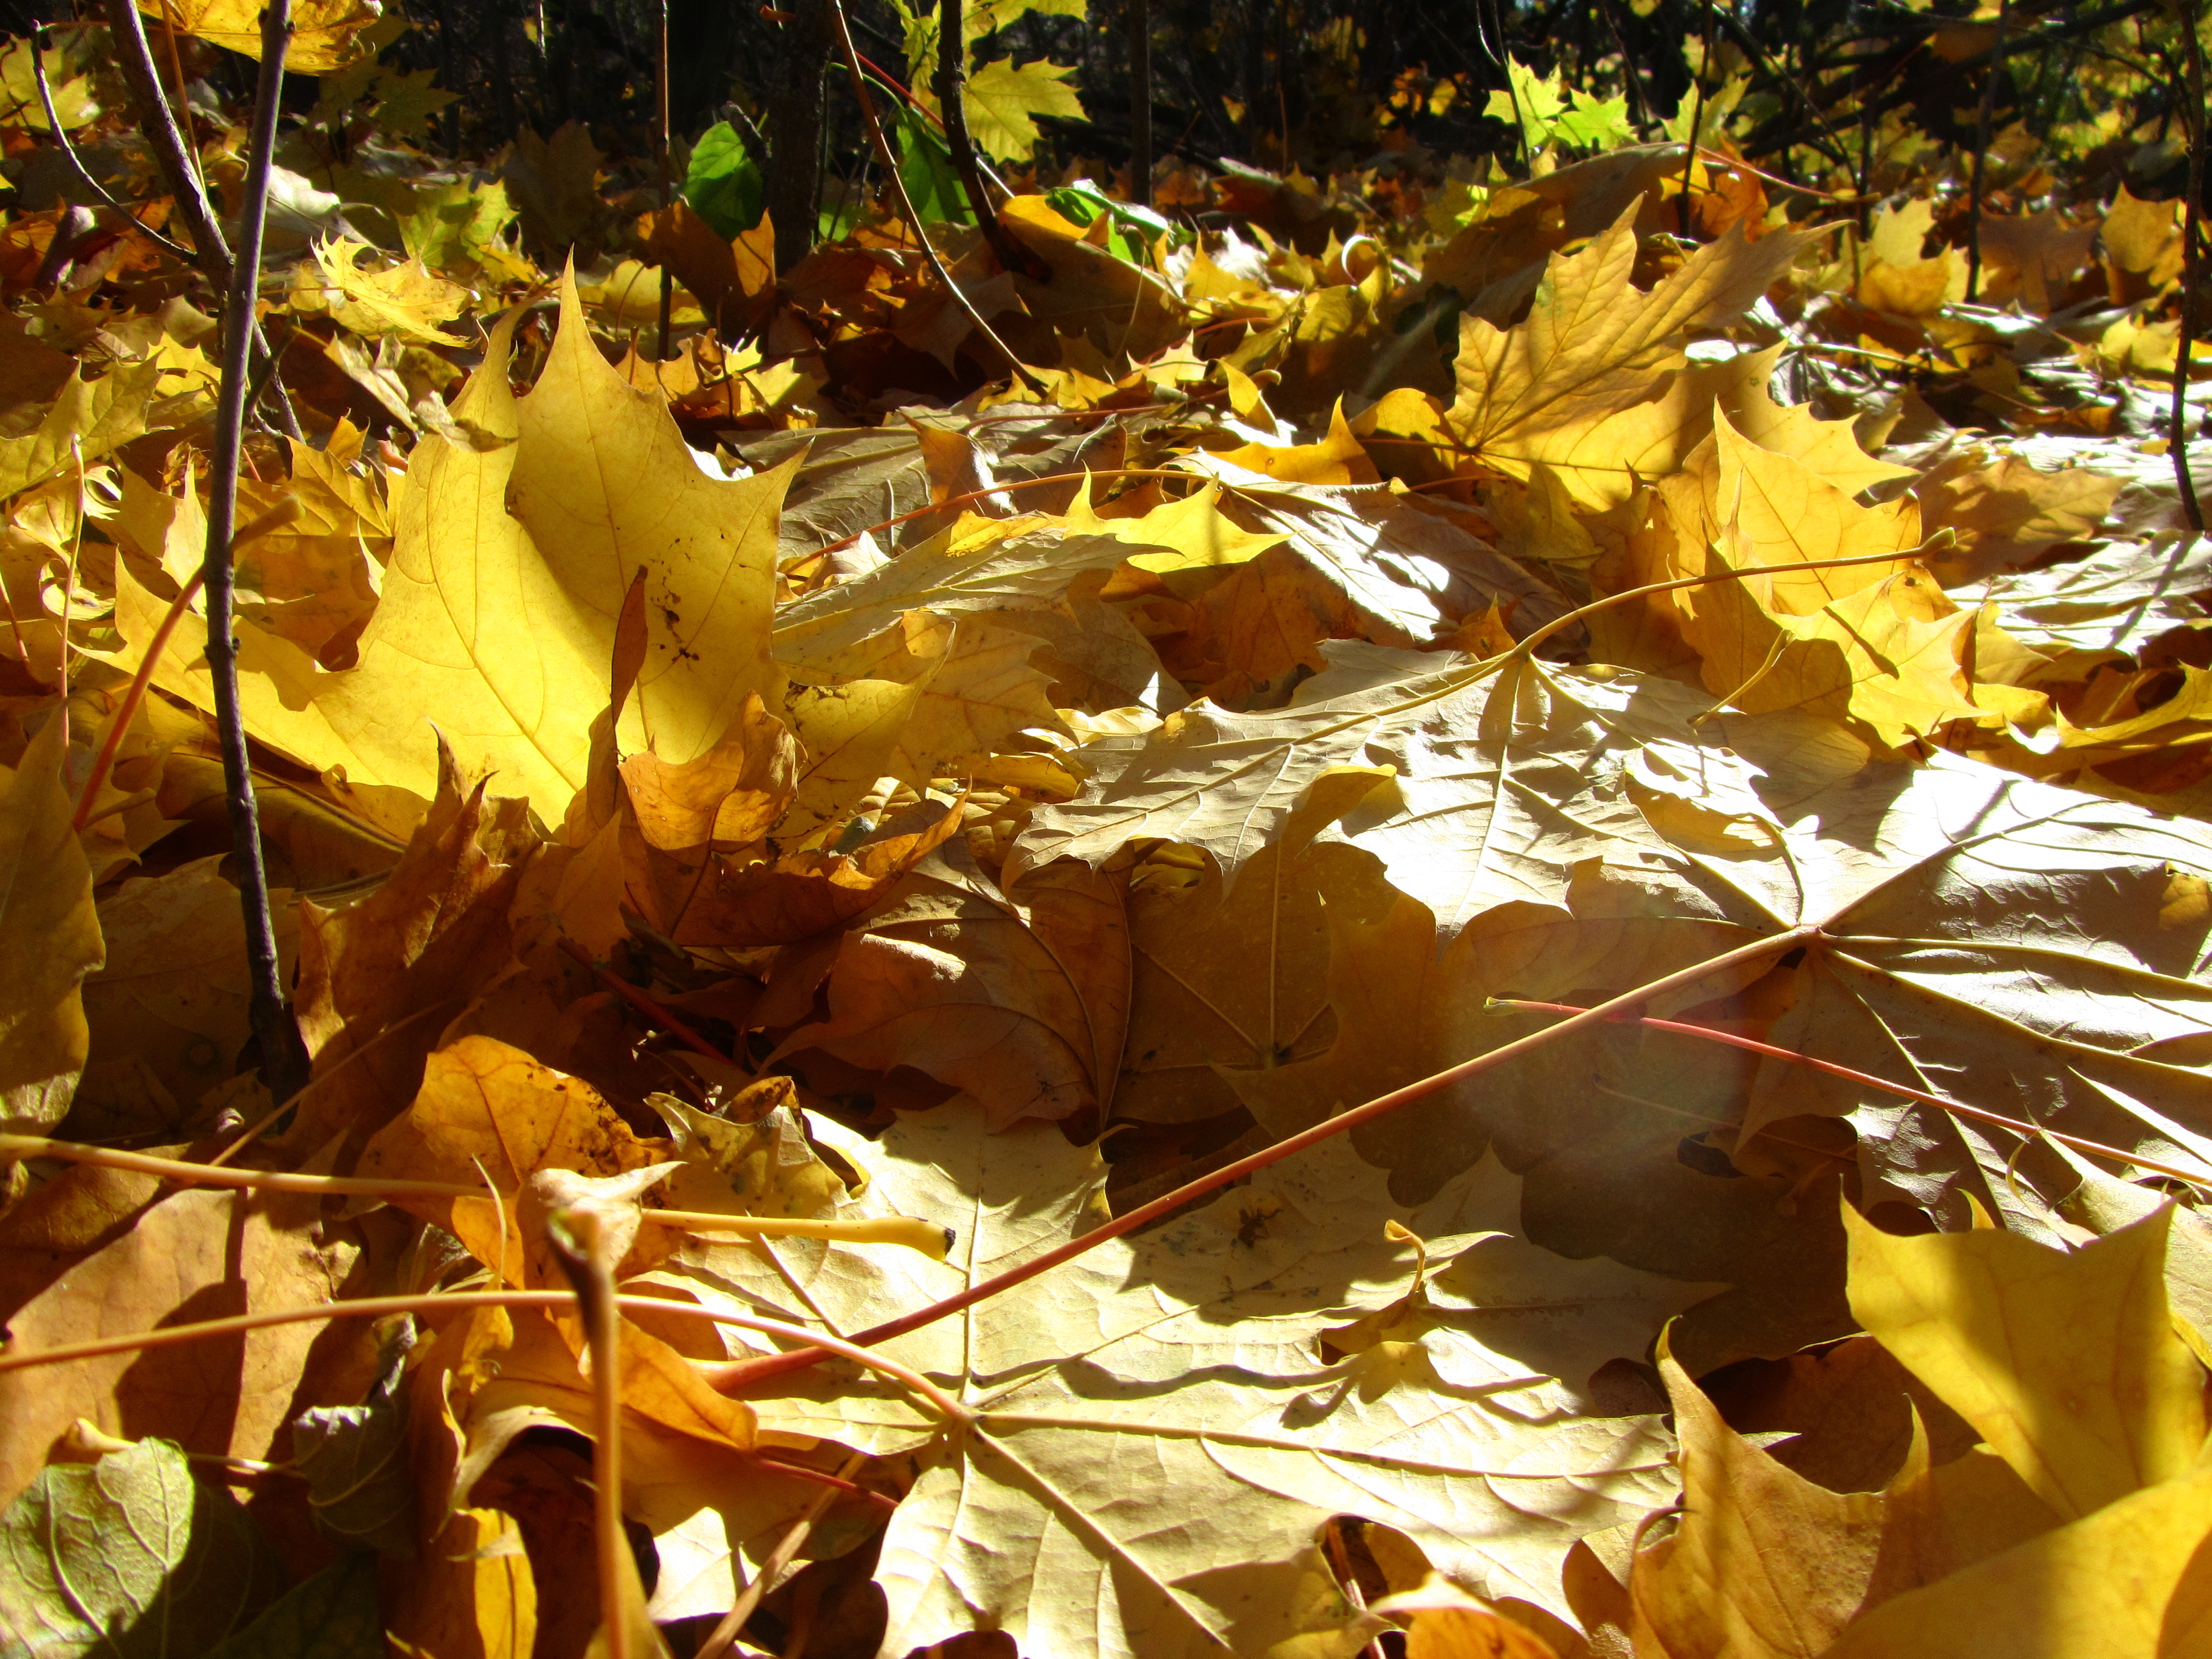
(283, 1055)
(897, 186)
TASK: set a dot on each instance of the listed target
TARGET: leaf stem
(380, 1307)
(890, 164)
(1557, 623)
(1752, 1045)
(930, 1237)
(644, 1005)
(725, 1634)
(740, 1373)
(287, 510)
(580, 1246)
(283, 1055)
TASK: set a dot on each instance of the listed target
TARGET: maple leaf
(404, 300)
(1474, 785)
(327, 34)
(1574, 386)
(169, 1003)
(1971, 919)
(96, 416)
(1174, 1381)
(1003, 102)
(49, 938)
(1018, 997)
(182, 1258)
(585, 481)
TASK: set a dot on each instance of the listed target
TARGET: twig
(930, 1238)
(581, 1247)
(252, 1131)
(744, 1372)
(76, 163)
(1981, 154)
(890, 164)
(1696, 117)
(287, 510)
(180, 170)
(667, 184)
(2178, 436)
(725, 1634)
(1868, 1080)
(135, 59)
(951, 75)
(644, 1004)
(381, 1307)
(283, 1055)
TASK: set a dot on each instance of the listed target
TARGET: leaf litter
(889, 835)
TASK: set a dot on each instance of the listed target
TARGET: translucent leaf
(127, 1558)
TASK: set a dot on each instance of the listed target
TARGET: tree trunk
(794, 130)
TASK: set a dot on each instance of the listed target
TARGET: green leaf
(926, 169)
(355, 1459)
(723, 187)
(332, 1615)
(918, 27)
(1001, 100)
(461, 228)
(1547, 110)
(1134, 228)
(1595, 123)
(129, 1558)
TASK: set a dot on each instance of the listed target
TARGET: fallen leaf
(1019, 996)
(2068, 1364)
(1197, 1400)
(1589, 378)
(49, 938)
(130, 1556)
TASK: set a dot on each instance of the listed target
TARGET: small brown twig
(668, 180)
(1697, 117)
(724, 1637)
(897, 185)
(76, 163)
(930, 1238)
(157, 122)
(287, 510)
(283, 1055)
(1868, 1080)
(1140, 102)
(382, 1307)
(580, 1246)
(644, 1004)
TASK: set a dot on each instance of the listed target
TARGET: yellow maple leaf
(327, 34)
(1002, 101)
(1594, 383)
(405, 299)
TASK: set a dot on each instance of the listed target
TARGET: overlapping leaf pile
(816, 781)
